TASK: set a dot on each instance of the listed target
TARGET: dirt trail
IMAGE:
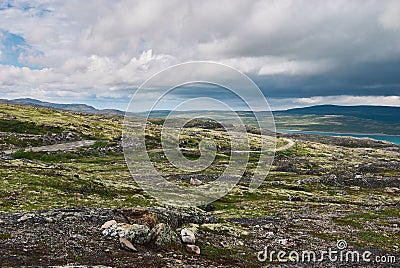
(68, 146)
(290, 143)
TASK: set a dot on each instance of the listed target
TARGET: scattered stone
(391, 190)
(332, 177)
(209, 207)
(26, 217)
(275, 182)
(286, 242)
(266, 221)
(358, 176)
(240, 243)
(195, 182)
(108, 224)
(48, 219)
(295, 198)
(224, 244)
(84, 189)
(188, 236)
(342, 192)
(126, 244)
(308, 180)
(326, 199)
(193, 249)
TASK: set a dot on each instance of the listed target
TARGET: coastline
(395, 139)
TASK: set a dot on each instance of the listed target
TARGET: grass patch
(5, 236)
(17, 126)
(211, 252)
(385, 241)
(358, 220)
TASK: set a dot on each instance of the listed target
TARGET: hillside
(320, 190)
(82, 108)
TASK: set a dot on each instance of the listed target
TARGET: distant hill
(385, 114)
(81, 108)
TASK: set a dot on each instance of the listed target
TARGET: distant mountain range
(385, 114)
(81, 108)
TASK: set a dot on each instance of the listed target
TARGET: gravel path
(68, 146)
(290, 143)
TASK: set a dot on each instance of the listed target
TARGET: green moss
(373, 239)
(359, 219)
(211, 252)
(5, 236)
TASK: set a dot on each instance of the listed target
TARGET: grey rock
(138, 234)
(162, 235)
(117, 230)
(295, 198)
(308, 180)
(26, 217)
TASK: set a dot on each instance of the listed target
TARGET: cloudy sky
(300, 53)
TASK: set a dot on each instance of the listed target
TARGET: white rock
(193, 249)
(125, 243)
(188, 236)
(195, 181)
(108, 224)
(117, 230)
(26, 217)
(240, 243)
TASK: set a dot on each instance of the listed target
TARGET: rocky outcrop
(156, 226)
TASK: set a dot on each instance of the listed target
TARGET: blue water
(390, 138)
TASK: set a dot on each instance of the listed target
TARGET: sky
(299, 53)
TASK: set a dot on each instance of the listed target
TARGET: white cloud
(390, 18)
(104, 48)
(346, 100)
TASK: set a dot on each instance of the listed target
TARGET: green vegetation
(17, 126)
(33, 120)
(312, 182)
(5, 236)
